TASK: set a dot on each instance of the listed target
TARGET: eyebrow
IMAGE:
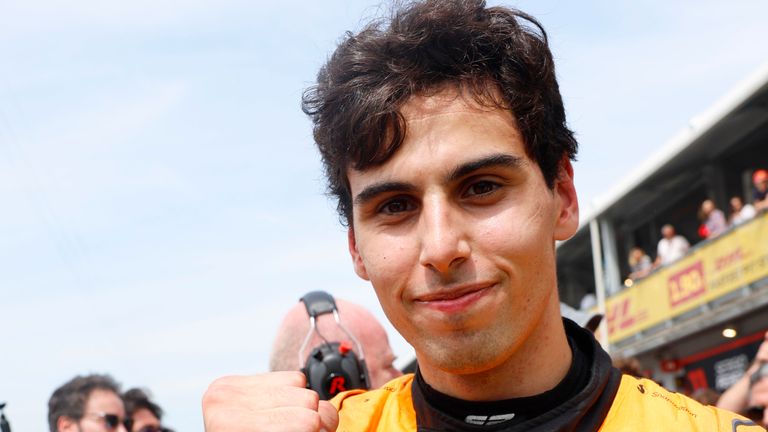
(494, 160)
(376, 189)
(490, 161)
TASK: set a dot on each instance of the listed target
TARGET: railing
(713, 269)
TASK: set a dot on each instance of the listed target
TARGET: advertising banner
(720, 367)
(713, 269)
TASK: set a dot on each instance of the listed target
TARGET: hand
(274, 402)
(758, 396)
(762, 352)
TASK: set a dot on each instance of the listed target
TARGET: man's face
(143, 418)
(736, 204)
(456, 232)
(668, 232)
(101, 403)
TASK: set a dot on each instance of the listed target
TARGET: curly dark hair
(70, 399)
(500, 55)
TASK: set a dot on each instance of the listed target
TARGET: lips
(455, 300)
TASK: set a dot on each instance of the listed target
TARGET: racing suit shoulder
(388, 408)
(643, 403)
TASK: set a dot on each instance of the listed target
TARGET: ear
(66, 424)
(357, 260)
(567, 221)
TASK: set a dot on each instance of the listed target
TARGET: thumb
(329, 417)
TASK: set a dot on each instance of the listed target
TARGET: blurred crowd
(713, 222)
(94, 403)
(748, 396)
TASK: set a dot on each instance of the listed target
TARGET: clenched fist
(271, 402)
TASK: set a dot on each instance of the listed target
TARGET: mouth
(454, 300)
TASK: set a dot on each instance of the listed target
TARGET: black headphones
(331, 367)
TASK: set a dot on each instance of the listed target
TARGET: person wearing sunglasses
(90, 403)
(143, 415)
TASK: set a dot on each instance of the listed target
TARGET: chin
(465, 354)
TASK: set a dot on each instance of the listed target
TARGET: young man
(88, 403)
(671, 247)
(713, 219)
(740, 212)
(444, 139)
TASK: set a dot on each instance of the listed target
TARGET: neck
(538, 364)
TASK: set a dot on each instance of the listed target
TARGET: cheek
(386, 259)
(389, 268)
(516, 231)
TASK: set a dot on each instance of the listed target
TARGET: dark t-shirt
(759, 196)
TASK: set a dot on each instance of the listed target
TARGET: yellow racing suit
(609, 402)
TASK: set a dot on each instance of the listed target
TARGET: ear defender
(332, 367)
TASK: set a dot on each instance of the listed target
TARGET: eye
(483, 187)
(396, 206)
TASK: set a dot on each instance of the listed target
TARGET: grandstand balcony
(718, 281)
(678, 311)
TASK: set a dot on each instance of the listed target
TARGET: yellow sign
(724, 264)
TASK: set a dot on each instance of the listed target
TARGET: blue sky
(161, 201)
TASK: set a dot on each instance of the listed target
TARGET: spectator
(142, 414)
(640, 263)
(88, 403)
(740, 212)
(751, 390)
(758, 396)
(671, 247)
(706, 396)
(629, 366)
(362, 324)
(760, 194)
(713, 219)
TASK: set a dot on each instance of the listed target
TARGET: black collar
(584, 410)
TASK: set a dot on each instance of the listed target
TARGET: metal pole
(597, 264)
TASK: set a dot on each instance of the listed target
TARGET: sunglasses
(111, 420)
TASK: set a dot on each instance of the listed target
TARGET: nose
(443, 242)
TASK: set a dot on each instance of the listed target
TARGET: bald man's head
(361, 323)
